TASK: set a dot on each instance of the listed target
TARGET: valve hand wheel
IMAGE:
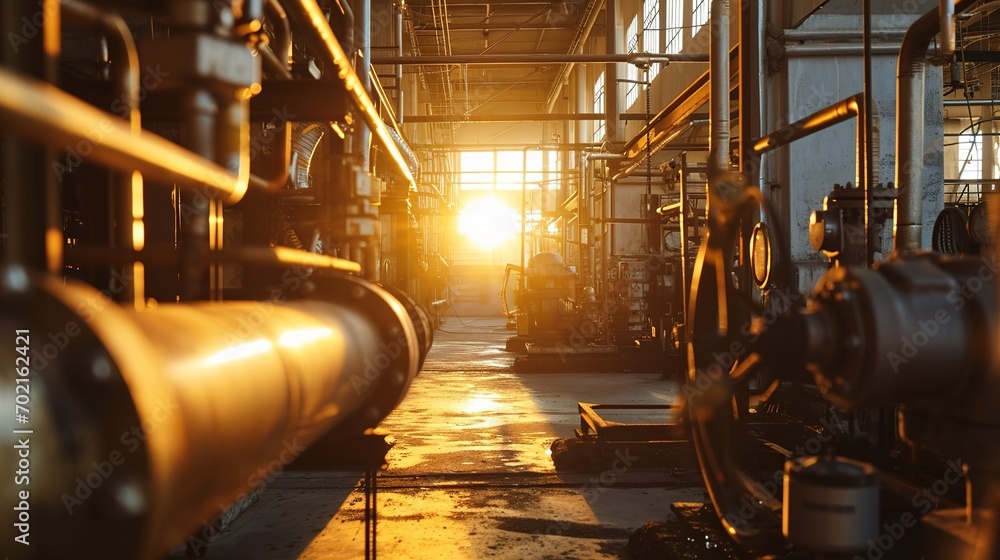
(724, 350)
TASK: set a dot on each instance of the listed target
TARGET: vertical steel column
(32, 208)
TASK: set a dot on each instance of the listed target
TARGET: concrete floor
(470, 474)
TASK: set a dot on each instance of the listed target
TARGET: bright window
(631, 71)
(651, 33)
(699, 16)
(970, 157)
(599, 107)
(502, 170)
(674, 26)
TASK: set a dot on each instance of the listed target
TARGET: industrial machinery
(547, 315)
(914, 334)
(197, 284)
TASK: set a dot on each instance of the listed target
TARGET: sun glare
(487, 222)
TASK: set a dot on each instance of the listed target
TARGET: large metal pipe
(143, 426)
(718, 103)
(637, 59)
(309, 18)
(51, 117)
(910, 71)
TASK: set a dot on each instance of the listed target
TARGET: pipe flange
(87, 481)
(387, 375)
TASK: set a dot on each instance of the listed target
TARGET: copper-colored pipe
(837, 113)
(154, 420)
(51, 117)
(308, 16)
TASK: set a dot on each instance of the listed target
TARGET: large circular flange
(86, 462)
(384, 384)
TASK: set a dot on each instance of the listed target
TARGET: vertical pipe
(524, 207)
(866, 160)
(32, 218)
(910, 71)
(946, 45)
(399, 67)
(195, 210)
(682, 221)
(611, 73)
(749, 119)
(363, 40)
(718, 143)
(129, 208)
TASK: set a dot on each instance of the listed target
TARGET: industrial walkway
(470, 474)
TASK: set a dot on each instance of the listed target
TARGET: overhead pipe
(636, 59)
(910, 73)
(156, 420)
(518, 117)
(308, 17)
(49, 116)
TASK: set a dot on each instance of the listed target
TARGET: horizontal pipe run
(286, 256)
(517, 117)
(49, 116)
(971, 102)
(822, 36)
(835, 114)
(816, 49)
(547, 58)
(171, 413)
(280, 257)
(312, 23)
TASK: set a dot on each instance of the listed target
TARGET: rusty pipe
(145, 424)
